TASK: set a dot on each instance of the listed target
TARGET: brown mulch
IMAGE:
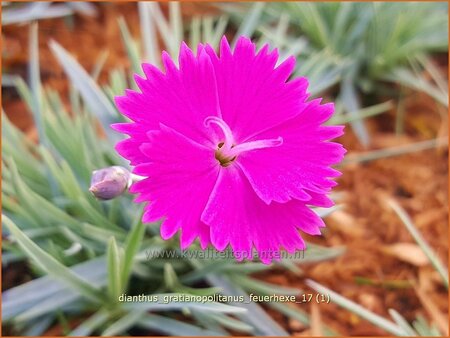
(366, 273)
(374, 271)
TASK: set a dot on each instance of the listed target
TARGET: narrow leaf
(97, 101)
(132, 245)
(50, 265)
(124, 323)
(173, 327)
(358, 309)
(114, 281)
(401, 213)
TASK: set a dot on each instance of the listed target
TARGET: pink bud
(110, 182)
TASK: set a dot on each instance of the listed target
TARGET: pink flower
(232, 151)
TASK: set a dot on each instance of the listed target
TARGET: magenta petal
(180, 99)
(169, 228)
(252, 92)
(181, 175)
(301, 164)
(129, 148)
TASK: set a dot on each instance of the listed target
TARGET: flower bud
(110, 182)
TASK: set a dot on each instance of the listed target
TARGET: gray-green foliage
(85, 253)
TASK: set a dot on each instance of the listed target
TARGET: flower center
(228, 150)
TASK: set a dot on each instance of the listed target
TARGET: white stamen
(228, 150)
(252, 145)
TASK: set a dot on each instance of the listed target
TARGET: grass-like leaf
(409, 79)
(263, 288)
(34, 11)
(92, 94)
(394, 151)
(88, 326)
(363, 113)
(39, 326)
(255, 315)
(51, 265)
(404, 217)
(298, 315)
(114, 270)
(35, 80)
(130, 46)
(173, 327)
(148, 30)
(401, 321)
(424, 329)
(358, 309)
(251, 21)
(229, 322)
(352, 105)
(123, 323)
(132, 245)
